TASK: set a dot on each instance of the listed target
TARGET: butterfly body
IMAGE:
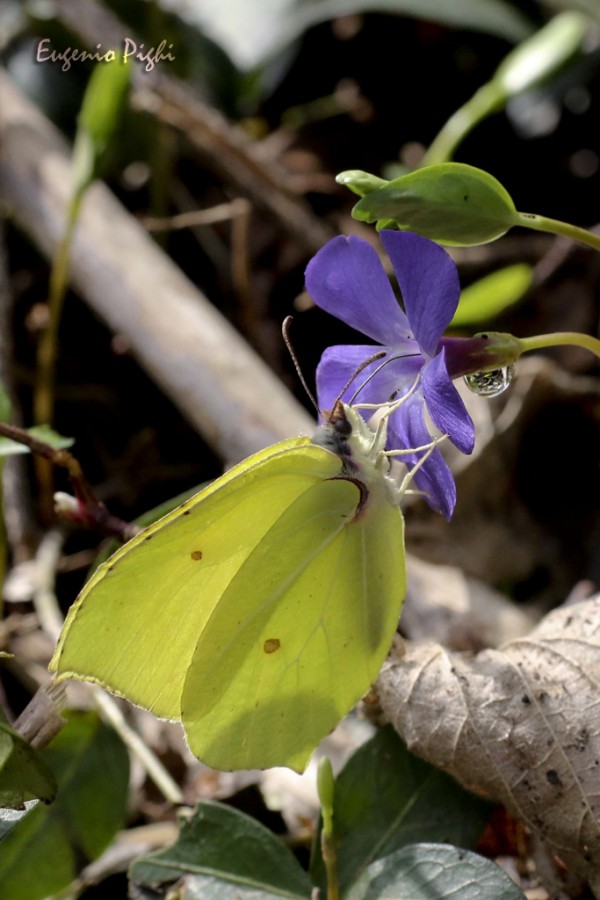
(259, 611)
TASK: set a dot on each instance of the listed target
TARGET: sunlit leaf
(543, 54)
(451, 203)
(485, 299)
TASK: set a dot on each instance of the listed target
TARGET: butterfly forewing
(135, 625)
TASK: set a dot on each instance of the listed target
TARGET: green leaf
(543, 55)
(218, 847)
(434, 872)
(534, 62)
(326, 791)
(485, 299)
(250, 32)
(24, 775)
(101, 109)
(4, 405)
(43, 433)
(451, 203)
(40, 855)
(385, 798)
(359, 182)
(10, 817)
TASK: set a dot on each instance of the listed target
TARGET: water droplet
(490, 384)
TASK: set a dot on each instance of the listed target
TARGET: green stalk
(570, 338)
(554, 226)
(483, 103)
(48, 346)
(326, 791)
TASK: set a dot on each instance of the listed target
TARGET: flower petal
(445, 405)
(347, 279)
(429, 284)
(407, 429)
(337, 378)
(377, 382)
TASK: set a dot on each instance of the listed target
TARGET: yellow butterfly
(260, 611)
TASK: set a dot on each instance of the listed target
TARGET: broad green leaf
(451, 203)
(434, 872)
(41, 854)
(43, 433)
(24, 775)
(485, 299)
(385, 798)
(220, 847)
(207, 888)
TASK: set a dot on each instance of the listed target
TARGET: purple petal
(347, 279)
(407, 429)
(429, 284)
(445, 405)
(375, 383)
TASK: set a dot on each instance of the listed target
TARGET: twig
(84, 509)
(223, 212)
(16, 506)
(226, 148)
(40, 721)
(196, 357)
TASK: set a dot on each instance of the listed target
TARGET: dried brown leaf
(520, 724)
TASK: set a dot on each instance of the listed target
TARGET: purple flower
(347, 279)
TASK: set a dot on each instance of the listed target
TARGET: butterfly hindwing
(315, 612)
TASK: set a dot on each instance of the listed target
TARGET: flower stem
(571, 338)
(326, 791)
(483, 102)
(48, 346)
(555, 226)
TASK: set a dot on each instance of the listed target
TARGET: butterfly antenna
(285, 330)
(363, 365)
(374, 372)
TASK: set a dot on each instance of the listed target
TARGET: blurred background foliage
(317, 87)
